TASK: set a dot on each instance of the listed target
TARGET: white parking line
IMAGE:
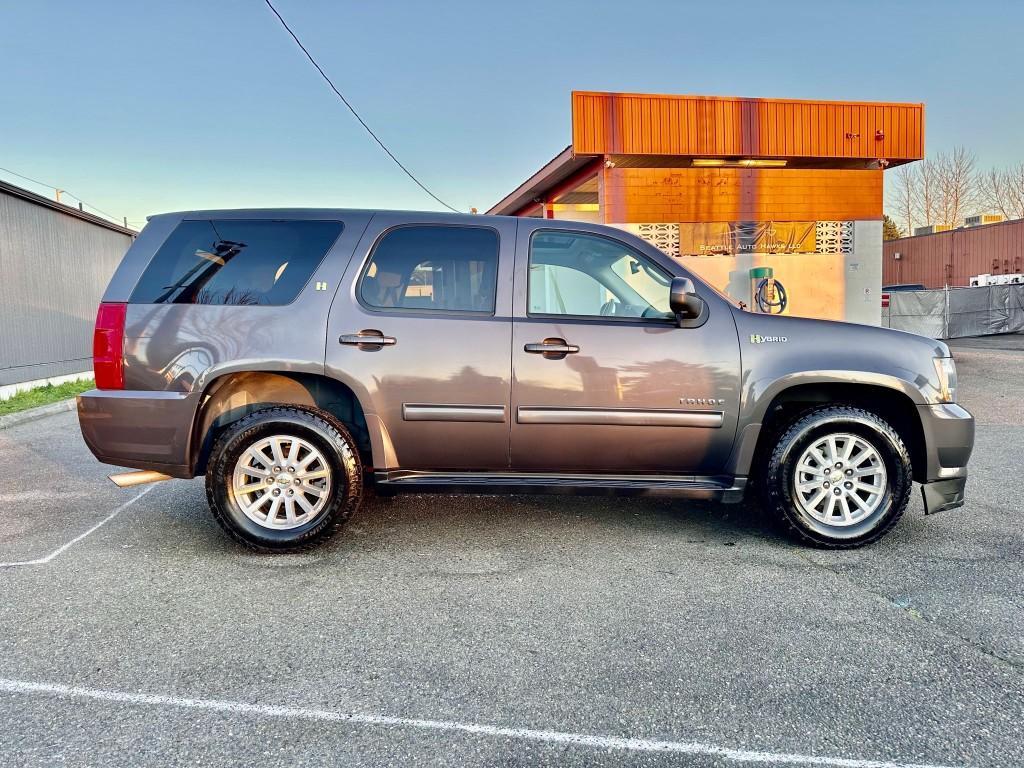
(525, 734)
(65, 547)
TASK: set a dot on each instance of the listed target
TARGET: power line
(66, 192)
(26, 178)
(351, 109)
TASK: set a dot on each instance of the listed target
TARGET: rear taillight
(108, 346)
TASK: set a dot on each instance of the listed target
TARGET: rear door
(603, 379)
(421, 331)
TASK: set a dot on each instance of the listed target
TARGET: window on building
(433, 268)
(588, 275)
(237, 262)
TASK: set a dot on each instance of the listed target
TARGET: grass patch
(33, 398)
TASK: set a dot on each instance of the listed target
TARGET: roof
(558, 169)
(284, 213)
(658, 130)
(717, 126)
(32, 197)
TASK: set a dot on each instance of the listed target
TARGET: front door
(420, 329)
(603, 379)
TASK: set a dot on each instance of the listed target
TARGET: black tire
(778, 480)
(320, 430)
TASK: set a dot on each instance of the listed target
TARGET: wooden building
(726, 184)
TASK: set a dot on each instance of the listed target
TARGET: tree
(890, 231)
(928, 191)
(904, 196)
(1003, 191)
(942, 189)
(957, 186)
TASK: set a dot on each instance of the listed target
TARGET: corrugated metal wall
(54, 268)
(956, 256)
(644, 124)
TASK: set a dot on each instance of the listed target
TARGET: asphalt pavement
(472, 630)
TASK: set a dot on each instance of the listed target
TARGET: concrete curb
(13, 419)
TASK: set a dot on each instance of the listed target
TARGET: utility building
(55, 262)
(728, 184)
(979, 253)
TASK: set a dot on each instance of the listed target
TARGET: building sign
(737, 237)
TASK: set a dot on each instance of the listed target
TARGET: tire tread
(340, 438)
(774, 496)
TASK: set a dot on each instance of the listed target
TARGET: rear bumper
(949, 440)
(142, 430)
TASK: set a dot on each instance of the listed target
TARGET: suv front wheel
(839, 476)
(283, 478)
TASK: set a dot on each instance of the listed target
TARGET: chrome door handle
(368, 338)
(553, 349)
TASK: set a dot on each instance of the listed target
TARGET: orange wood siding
(618, 123)
(955, 257)
(657, 195)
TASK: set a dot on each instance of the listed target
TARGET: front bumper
(142, 430)
(941, 495)
(949, 440)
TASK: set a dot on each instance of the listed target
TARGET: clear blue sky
(142, 107)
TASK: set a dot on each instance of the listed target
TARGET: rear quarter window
(235, 262)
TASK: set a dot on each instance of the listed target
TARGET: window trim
(590, 318)
(368, 260)
(207, 219)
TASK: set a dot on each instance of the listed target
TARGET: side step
(725, 489)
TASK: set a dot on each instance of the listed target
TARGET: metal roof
(32, 197)
(560, 167)
(657, 130)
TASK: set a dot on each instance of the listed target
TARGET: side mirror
(684, 302)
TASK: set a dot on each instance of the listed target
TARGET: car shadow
(467, 522)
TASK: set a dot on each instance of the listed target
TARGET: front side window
(433, 268)
(237, 262)
(588, 275)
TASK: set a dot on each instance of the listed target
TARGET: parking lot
(518, 631)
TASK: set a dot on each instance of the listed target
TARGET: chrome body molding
(439, 412)
(626, 417)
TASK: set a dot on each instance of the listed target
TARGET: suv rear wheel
(840, 477)
(283, 478)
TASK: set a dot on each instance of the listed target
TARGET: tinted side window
(587, 275)
(441, 268)
(235, 262)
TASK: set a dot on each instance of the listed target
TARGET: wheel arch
(892, 403)
(233, 395)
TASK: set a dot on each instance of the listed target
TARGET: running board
(725, 489)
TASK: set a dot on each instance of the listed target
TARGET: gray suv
(294, 356)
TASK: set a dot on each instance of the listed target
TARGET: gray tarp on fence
(956, 312)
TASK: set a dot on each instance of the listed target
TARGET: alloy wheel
(281, 482)
(840, 480)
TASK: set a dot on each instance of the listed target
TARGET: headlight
(945, 368)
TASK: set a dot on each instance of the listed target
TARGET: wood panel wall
(645, 124)
(657, 195)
